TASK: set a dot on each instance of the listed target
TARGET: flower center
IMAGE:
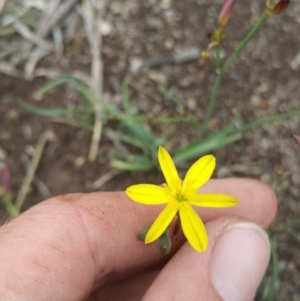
(180, 197)
(177, 192)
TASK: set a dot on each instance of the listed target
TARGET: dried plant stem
(97, 131)
(9, 70)
(42, 187)
(31, 170)
(2, 4)
(52, 17)
(92, 18)
(104, 179)
(27, 34)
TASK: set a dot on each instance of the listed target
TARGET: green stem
(218, 57)
(10, 207)
(212, 102)
(275, 272)
(242, 45)
(229, 61)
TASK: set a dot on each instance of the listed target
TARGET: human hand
(84, 247)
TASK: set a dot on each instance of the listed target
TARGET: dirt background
(263, 82)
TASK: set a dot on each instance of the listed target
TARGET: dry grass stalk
(2, 4)
(31, 170)
(54, 14)
(93, 16)
(104, 179)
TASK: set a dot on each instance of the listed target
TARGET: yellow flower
(179, 196)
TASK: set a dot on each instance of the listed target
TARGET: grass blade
(198, 147)
(55, 83)
(267, 120)
(125, 94)
(294, 223)
(146, 165)
(49, 112)
(275, 273)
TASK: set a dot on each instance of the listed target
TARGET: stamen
(180, 197)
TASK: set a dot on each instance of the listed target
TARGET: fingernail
(239, 260)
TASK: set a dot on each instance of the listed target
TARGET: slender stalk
(212, 102)
(275, 272)
(7, 200)
(221, 71)
(245, 41)
(218, 57)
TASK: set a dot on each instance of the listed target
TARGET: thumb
(239, 260)
(230, 270)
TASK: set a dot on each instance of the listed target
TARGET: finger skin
(63, 248)
(187, 276)
(130, 289)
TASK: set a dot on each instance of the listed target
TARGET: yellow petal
(162, 222)
(193, 228)
(167, 166)
(200, 172)
(147, 194)
(213, 200)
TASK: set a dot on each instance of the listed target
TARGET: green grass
(134, 132)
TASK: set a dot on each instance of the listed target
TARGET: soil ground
(264, 81)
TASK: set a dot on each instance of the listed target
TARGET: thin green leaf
(131, 166)
(125, 138)
(267, 120)
(218, 57)
(125, 94)
(198, 147)
(194, 121)
(134, 162)
(274, 274)
(171, 97)
(7, 200)
(139, 132)
(294, 223)
(50, 112)
(167, 119)
(55, 83)
(94, 99)
(84, 124)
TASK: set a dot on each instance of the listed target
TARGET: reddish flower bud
(276, 8)
(280, 6)
(226, 12)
